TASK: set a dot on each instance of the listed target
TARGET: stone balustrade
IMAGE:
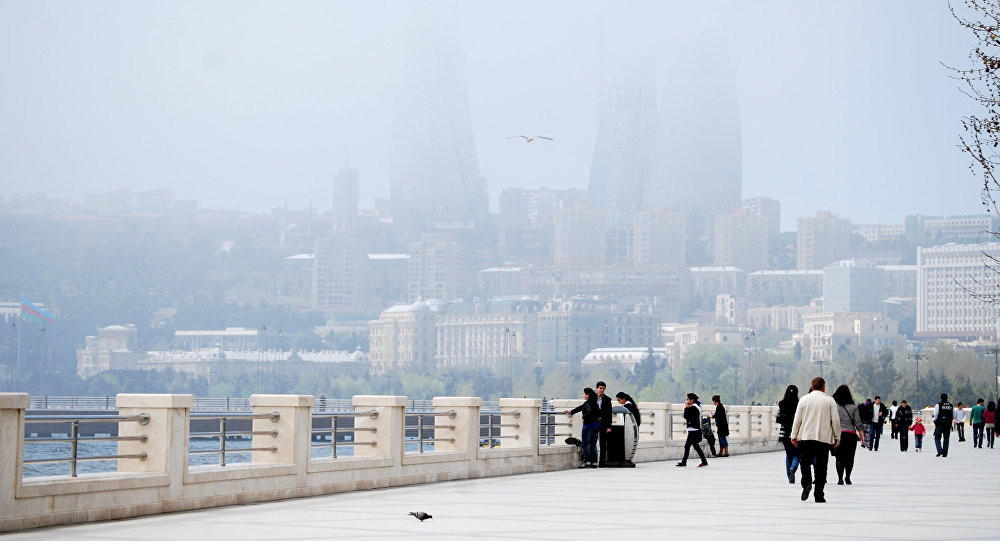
(157, 477)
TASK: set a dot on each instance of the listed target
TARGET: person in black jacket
(591, 425)
(604, 403)
(721, 425)
(786, 414)
(626, 402)
(692, 420)
(879, 414)
(904, 418)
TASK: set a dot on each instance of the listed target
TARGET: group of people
(596, 413)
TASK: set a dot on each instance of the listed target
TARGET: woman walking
(786, 414)
(591, 426)
(692, 418)
(721, 425)
(850, 434)
(990, 416)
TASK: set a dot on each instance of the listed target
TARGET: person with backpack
(943, 416)
(904, 418)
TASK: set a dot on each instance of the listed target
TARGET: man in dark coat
(904, 419)
(604, 402)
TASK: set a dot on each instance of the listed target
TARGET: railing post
(655, 424)
(525, 413)
(166, 445)
(576, 428)
(12, 406)
(388, 425)
(293, 429)
(465, 420)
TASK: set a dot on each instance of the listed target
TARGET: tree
(645, 371)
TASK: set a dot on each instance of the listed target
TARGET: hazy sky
(844, 105)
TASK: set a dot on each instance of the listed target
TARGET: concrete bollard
(465, 420)
(292, 430)
(524, 413)
(655, 421)
(388, 424)
(166, 444)
(12, 406)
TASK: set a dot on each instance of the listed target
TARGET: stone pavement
(895, 496)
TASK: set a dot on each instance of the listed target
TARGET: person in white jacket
(815, 430)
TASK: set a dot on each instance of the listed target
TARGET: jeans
(589, 441)
(845, 455)
(723, 442)
(977, 434)
(960, 428)
(990, 437)
(918, 441)
(942, 433)
(815, 456)
(874, 435)
(791, 458)
(693, 439)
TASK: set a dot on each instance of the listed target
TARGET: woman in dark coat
(692, 421)
(721, 425)
(626, 402)
(591, 427)
(786, 414)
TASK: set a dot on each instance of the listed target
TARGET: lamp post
(916, 356)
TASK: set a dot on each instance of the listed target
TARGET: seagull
(530, 139)
(420, 515)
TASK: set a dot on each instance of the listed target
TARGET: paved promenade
(895, 496)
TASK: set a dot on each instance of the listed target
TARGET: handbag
(861, 434)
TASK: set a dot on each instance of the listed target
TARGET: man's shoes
(703, 464)
(820, 499)
(840, 482)
(680, 464)
(939, 454)
(805, 492)
(584, 465)
(791, 478)
(848, 480)
(572, 441)
(593, 465)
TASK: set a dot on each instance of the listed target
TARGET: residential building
(740, 240)
(850, 286)
(900, 280)
(875, 233)
(569, 329)
(342, 279)
(835, 336)
(822, 240)
(296, 281)
(949, 277)
(784, 287)
(437, 269)
(345, 197)
(580, 236)
(659, 237)
(708, 282)
(730, 310)
(769, 208)
(937, 230)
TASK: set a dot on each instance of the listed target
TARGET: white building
(627, 357)
(230, 338)
(948, 278)
(403, 337)
(780, 318)
(112, 349)
(830, 336)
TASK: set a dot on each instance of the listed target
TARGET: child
(919, 430)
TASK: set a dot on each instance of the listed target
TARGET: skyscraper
(345, 197)
(434, 176)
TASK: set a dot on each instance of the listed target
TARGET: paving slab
(895, 496)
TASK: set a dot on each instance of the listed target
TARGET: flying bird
(530, 139)
(420, 515)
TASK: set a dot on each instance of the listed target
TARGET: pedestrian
(919, 430)
(850, 423)
(591, 414)
(692, 418)
(879, 413)
(990, 416)
(943, 415)
(626, 402)
(996, 426)
(721, 425)
(706, 432)
(893, 425)
(960, 421)
(815, 430)
(604, 403)
(786, 414)
(904, 418)
(978, 423)
(865, 411)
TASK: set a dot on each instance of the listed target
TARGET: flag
(36, 313)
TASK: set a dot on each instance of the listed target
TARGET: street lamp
(917, 356)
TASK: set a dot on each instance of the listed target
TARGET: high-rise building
(659, 237)
(767, 207)
(434, 175)
(341, 284)
(784, 287)
(580, 236)
(345, 197)
(850, 286)
(948, 279)
(931, 230)
(740, 240)
(822, 240)
(527, 221)
(625, 150)
(437, 269)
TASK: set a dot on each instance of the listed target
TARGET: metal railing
(421, 427)
(201, 403)
(225, 432)
(74, 439)
(494, 424)
(336, 429)
(547, 423)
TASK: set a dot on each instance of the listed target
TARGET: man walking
(892, 420)
(604, 403)
(904, 419)
(879, 413)
(943, 415)
(976, 418)
(815, 430)
(960, 421)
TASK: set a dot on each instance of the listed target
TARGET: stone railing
(154, 476)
